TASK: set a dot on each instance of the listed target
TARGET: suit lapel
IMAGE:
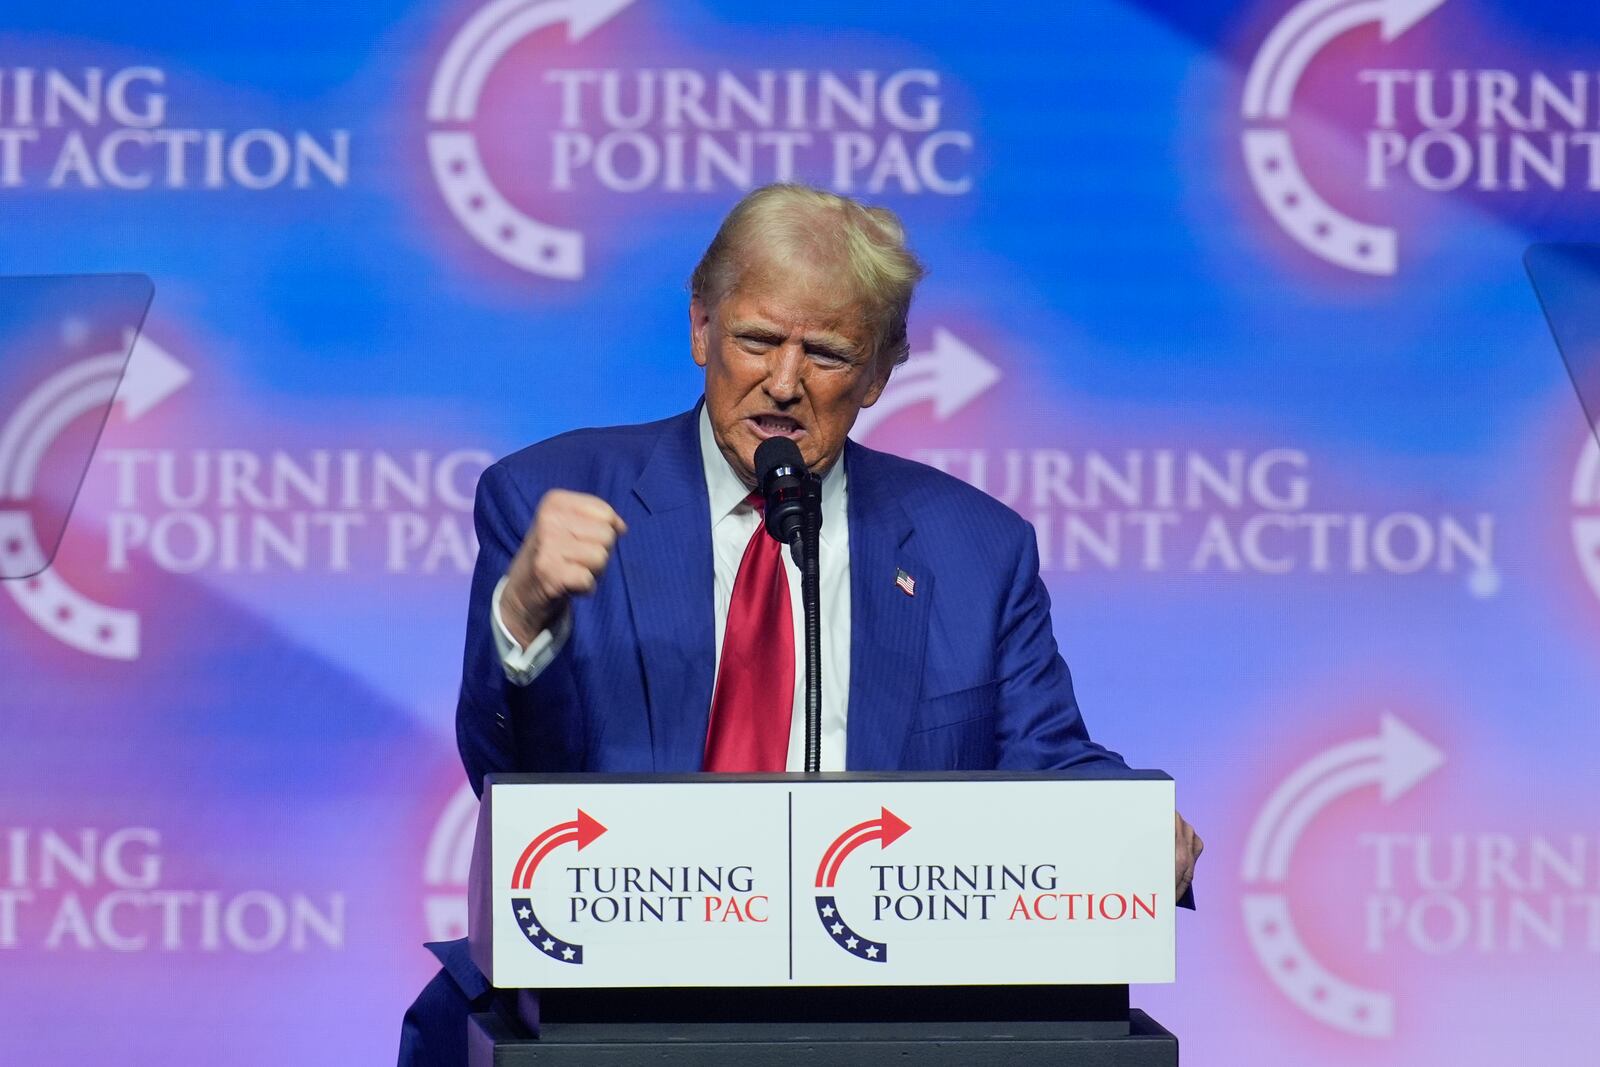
(666, 561)
(888, 627)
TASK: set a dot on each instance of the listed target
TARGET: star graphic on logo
(828, 911)
(873, 952)
(533, 931)
(566, 953)
(851, 942)
(837, 928)
(524, 912)
(547, 944)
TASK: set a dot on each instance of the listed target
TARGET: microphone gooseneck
(793, 498)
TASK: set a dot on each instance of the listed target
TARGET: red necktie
(754, 698)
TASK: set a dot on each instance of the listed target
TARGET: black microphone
(793, 518)
(790, 490)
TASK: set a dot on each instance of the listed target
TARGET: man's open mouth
(776, 426)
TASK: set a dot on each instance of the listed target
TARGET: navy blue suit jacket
(964, 675)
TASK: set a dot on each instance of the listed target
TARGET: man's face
(787, 353)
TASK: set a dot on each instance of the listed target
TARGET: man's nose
(785, 374)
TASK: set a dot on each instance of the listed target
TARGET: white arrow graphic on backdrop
(502, 228)
(446, 865)
(1586, 527)
(1269, 154)
(1394, 760)
(45, 597)
(950, 375)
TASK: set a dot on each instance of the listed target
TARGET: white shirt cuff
(523, 665)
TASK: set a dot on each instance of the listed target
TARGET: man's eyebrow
(755, 328)
(833, 344)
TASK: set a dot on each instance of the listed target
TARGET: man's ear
(699, 330)
(882, 367)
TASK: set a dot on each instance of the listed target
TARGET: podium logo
(886, 829)
(613, 900)
(516, 143)
(582, 832)
(908, 891)
(1394, 761)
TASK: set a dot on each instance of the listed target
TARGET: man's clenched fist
(1187, 849)
(562, 555)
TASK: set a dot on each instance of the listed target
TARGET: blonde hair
(789, 219)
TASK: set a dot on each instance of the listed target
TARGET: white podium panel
(841, 880)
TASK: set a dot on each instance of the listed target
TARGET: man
(629, 615)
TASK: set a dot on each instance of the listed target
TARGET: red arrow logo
(583, 830)
(887, 828)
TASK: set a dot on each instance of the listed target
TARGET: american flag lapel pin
(907, 584)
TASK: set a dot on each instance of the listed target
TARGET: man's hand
(562, 556)
(1186, 850)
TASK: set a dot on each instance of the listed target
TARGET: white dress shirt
(732, 523)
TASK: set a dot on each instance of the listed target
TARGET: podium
(837, 918)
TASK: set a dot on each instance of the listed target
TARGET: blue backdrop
(1227, 299)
